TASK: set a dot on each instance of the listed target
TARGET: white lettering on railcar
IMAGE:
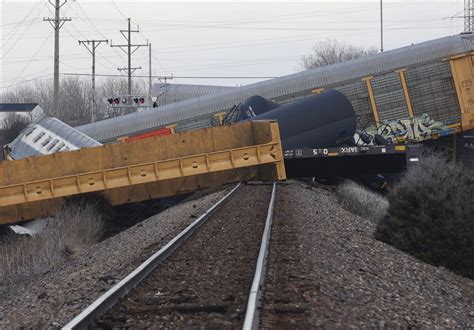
(349, 150)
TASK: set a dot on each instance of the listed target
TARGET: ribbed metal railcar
(374, 84)
(172, 93)
(48, 135)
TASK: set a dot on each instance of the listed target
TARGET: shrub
(361, 201)
(78, 225)
(431, 215)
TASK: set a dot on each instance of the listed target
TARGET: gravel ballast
(53, 299)
(205, 283)
(327, 270)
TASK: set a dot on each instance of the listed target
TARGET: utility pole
(381, 27)
(57, 22)
(149, 70)
(95, 44)
(468, 17)
(128, 50)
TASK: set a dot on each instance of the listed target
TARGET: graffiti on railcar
(401, 131)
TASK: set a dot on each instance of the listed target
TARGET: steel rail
(118, 291)
(255, 297)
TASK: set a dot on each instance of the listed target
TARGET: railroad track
(211, 277)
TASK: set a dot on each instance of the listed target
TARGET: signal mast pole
(149, 70)
(381, 27)
(95, 44)
(128, 50)
(57, 24)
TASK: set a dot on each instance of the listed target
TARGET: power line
(14, 44)
(23, 21)
(234, 64)
(162, 23)
(101, 56)
(95, 27)
(210, 59)
(94, 44)
(314, 29)
(32, 57)
(271, 18)
(128, 50)
(89, 20)
(240, 45)
(390, 27)
(225, 25)
(227, 21)
(10, 35)
(99, 31)
(118, 9)
(26, 81)
(174, 77)
(19, 24)
(71, 66)
(155, 58)
(24, 76)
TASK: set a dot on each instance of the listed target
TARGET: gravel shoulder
(53, 299)
(329, 271)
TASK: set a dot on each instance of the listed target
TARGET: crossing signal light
(114, 101)
(139, 100)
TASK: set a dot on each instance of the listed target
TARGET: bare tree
(112, 87)
(75, 101)
(11, 126)
(332, 51)
(75, 98)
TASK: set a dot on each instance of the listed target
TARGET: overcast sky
(202, 39)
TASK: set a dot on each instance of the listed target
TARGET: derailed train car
(413, 80)
(324, 120)
(317, 134)
(413, 93)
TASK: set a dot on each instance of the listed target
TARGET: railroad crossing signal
(122, 101)
(139, 100)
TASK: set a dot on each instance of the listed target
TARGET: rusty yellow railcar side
(463, 76)
(140, 170)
